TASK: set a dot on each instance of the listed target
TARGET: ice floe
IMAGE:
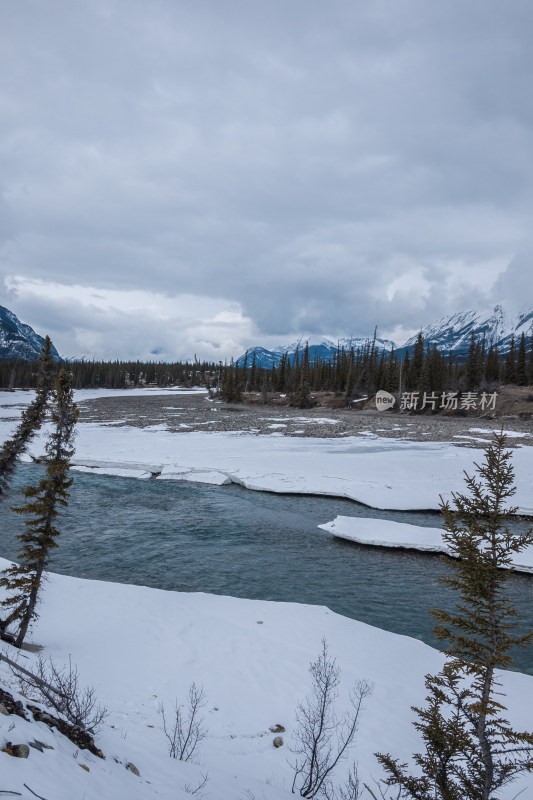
(387, 533)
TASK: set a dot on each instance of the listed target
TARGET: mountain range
(18, 340)
(452, 332)
(320, 347)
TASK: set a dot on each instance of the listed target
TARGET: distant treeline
(367, 369)
(351, 372)
(113, 374)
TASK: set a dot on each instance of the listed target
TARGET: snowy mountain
(454, 332)
(449, 333)
(322, 348)
(18, 340)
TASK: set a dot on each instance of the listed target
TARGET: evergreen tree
(32, 418)
(471, 365)
(492, 365)
(425, 379)
(432, 377)
(406, 373)
(350, 383)
(305, 364)
(23, 581)
(253, 374)
(231, 389)
(509, 370)
(245, 371)
(449, 368)
(381, 374)
(417, 362)
(471, 749)
(521, 362)
(279, 381)
(390, 373)
(302, 397)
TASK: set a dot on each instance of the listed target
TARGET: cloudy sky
(199, 176)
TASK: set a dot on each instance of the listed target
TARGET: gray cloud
(295, 159)
(513, 287)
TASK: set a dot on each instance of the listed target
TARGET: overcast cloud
(199, 177)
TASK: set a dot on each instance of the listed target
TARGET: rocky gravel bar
(196, 412)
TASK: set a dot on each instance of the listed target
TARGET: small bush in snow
(59, 687)
(186, 732)
(322, 739)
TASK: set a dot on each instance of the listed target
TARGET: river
(229, 540)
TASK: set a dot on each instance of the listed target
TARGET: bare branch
(200, 786)
(59, 688)
(16, 667)
(186, 732)
(322, 739)
(34, 793)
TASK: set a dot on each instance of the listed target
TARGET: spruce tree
(471, 365)
(350, 383)
(425, 380)
(253, 374)
(23, 581)
(244, 371)
(406, 373)
(509, 370)
(231, 389)
(492, 365)
(530, 360)
(521, 362)
(302, 397)
(32, 418)
(417, 362)
(471, 750)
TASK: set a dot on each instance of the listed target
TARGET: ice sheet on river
(379, 472)
(382, 473)
(387, 533)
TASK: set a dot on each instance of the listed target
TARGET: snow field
(139, 647)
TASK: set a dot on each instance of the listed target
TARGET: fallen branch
(34, 793)
(15, 666)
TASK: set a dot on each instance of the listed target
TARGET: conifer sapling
(23, 581)
(471, 750)
(32, 418)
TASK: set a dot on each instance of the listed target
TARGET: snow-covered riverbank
(140, 647)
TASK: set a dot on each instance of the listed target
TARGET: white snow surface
(387, 533)
(211, 477)
(309, 420)
(141, 474)
(510, 434)
(24, 396)
(379, 472)
(140, 647)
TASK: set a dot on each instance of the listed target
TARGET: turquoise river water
(229, 540)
